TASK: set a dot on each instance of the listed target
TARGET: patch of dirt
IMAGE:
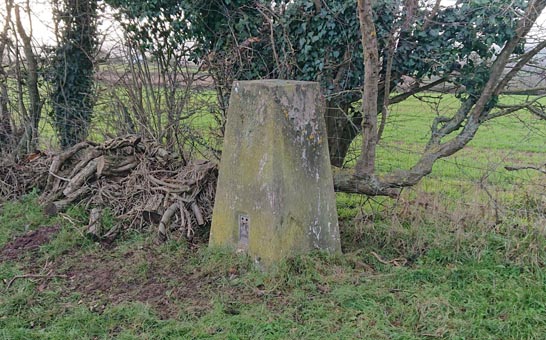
(169, 285)
(168, 282)
(26, 243)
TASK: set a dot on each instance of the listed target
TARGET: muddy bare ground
(142, 275)
(103, 277)
(169, 284)
(27, 243)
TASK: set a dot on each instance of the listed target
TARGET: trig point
(275, 195)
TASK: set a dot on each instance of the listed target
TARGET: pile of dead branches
(134, 180)
(20, 176)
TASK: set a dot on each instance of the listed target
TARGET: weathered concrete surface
(275, 194)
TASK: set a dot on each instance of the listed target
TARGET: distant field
(512, 138)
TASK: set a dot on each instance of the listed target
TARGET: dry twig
(397, 262)
(32, 276)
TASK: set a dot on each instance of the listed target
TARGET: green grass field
(476, 284)
(460, 256)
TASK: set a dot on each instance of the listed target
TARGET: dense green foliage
(320, 41)
(73, 69)
(316, 43)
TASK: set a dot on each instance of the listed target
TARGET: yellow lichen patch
(275, 174)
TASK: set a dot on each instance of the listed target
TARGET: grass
(460, 256)
(19, 217)
(511, 138)
(462, 281)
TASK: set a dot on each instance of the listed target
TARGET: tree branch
(529, 106)
(414, 90)
(528, 91)
(365, 165)
(541, 168)
(450, 124)
(524, 60)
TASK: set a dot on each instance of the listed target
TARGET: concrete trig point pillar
(275, 194)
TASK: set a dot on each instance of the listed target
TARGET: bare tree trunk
(365, 165)
(35, 104)
(342, 129)
(5, 115)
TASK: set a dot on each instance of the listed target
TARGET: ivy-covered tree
(418, 46)
(73, 69)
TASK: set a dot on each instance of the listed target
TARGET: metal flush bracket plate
(244, 229)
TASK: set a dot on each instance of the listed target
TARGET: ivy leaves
(72, 71)
(320, 41)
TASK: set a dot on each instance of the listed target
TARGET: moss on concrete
(275, 170)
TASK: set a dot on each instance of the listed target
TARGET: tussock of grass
(18, 217)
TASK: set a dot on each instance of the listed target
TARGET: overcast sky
(42, 20)
(43, 30)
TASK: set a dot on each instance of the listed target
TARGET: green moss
(274, 174)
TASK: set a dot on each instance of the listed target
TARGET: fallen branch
(53, 208)
(541, 168)
(197, 213)
(166, 218)
(32, 276)
(397, 262)
(176, 186)
(136, 180)
(79, 178)
(94, 226)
